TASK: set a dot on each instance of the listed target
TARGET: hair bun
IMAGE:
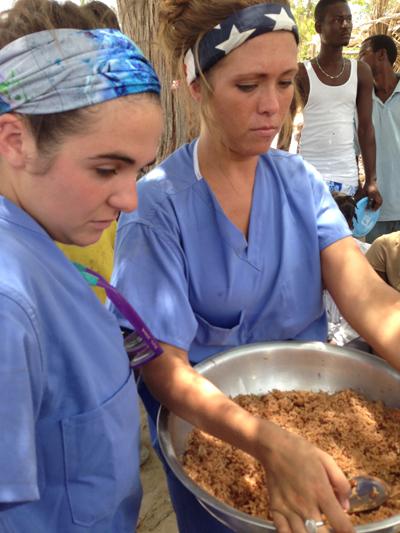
(171, 10)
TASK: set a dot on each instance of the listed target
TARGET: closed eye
(246, 88)
(106, 172)
(285, 84)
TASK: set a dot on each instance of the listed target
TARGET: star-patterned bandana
(60, 70)
(236, 30)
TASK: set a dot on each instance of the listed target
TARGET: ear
(195, 90)
(12, 139)
(317, 26)
(381, 54)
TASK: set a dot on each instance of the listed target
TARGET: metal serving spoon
(367, 493)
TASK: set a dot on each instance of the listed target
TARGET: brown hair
(31, 16)
(104, 14)
(347, 206)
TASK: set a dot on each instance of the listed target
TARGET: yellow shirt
(98, 256)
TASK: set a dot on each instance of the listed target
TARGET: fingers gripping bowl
(260, 368)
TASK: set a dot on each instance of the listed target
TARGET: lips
(266, 130)
(101, 224)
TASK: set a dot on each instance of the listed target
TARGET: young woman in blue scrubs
(232, 244)
(79, 117)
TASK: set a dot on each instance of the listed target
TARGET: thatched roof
(385, 18)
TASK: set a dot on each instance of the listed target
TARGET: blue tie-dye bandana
(60, 70)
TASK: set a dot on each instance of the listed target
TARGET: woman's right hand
(303, 483)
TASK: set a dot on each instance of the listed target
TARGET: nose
(269, 102)
(124, 196)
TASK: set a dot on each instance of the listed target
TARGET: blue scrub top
(69, 446)
(195, 279)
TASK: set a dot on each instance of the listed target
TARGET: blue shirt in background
(386, 119)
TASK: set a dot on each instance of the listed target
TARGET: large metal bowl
(262, 367)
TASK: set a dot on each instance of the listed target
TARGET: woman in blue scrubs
(232, 244)
(79, 117)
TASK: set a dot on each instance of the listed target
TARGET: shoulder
(16, 303)
(364, 72)
(30, 262)
(303, 82)
(384, 247)
(18, 310)
(306, 198)
(173, 175)
(20, 253)
(292, 169)
(169, 183)
(389, 241)
(288, 162)
(280, 159)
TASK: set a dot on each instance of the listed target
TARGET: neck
(385, 81)
(231, 177)
(217, 161)
(330, 55)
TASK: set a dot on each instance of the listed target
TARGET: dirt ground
(156, 514)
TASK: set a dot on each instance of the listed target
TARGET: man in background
(333, 89)
(380, 53)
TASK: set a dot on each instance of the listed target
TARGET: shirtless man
(333, 89)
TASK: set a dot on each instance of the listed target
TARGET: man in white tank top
(333, 89)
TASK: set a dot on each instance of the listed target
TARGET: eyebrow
(264, 75)
(115, 157)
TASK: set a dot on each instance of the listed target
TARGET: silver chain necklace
(326, 74)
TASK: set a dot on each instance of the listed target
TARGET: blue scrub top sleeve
(150, 271)
(331, 224)
(20, 393)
